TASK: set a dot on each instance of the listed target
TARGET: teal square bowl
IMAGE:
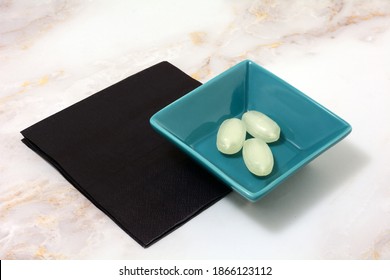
(307, 128)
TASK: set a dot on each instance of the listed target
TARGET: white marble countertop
(54, 53)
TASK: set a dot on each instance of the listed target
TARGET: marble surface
(54, 53)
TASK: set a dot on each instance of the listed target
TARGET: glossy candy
(258, 157)
(231, 136)
(261, 126)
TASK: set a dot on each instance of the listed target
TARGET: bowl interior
(307, 128)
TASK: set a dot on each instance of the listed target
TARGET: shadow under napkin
(105, 146)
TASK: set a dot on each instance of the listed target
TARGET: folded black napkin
(105, 147)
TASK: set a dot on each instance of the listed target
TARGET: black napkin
(105, 147)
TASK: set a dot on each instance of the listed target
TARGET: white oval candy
(231, 136)
(261, 126)
(258, 157)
